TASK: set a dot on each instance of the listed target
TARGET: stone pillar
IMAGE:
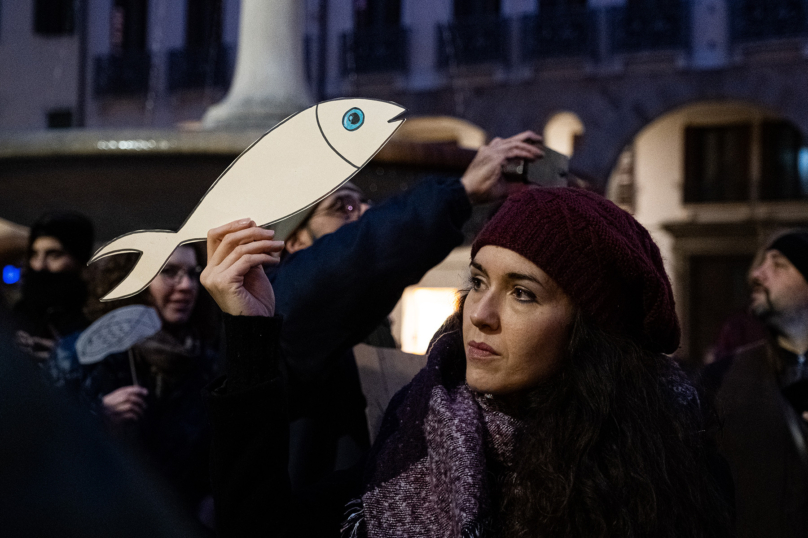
(269, 82)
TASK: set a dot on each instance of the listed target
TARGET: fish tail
(156, 248)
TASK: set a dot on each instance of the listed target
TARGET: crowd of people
(551, 404)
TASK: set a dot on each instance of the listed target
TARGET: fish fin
(156, 247)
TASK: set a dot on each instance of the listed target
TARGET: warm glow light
(423, 312)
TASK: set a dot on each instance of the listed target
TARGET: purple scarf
(429, 472)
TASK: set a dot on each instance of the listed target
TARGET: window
(783, 160)
(60, 118)
(54, 17)
(377, 14)
(718, 163)
(203, 24)
(128, 25)
(475, 9)
(559, 5)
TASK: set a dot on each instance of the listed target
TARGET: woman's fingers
(271, 248)
(215, 235)
(230, 241)
(248, 261)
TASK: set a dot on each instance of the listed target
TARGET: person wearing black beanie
(761, 395)
(53, 290)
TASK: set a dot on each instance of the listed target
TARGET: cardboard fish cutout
(296, 164)
(117, 331)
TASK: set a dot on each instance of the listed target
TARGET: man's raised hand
(483, 179)
(234, 276)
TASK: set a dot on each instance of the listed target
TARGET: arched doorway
(710, 180)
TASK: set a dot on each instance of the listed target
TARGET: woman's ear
(298, 240)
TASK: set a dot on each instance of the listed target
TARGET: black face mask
(44, 292)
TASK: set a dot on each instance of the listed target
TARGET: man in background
(762, 398)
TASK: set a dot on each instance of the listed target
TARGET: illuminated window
(423, 312)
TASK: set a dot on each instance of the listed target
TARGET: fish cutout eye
(353, 119)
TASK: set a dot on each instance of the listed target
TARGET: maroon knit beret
(599, 255)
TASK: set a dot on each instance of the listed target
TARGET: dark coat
(345, 285)
(173, 434)
(250, 447)
(758, 441)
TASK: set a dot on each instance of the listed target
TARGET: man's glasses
(346, 205)
(172, 274)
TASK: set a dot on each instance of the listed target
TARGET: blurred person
(345, 205)
(61, 476)
(150, 395)
(761, 397)
(548, 406)
(53, 290)
(344, 268)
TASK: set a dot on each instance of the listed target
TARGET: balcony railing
(122, 74)
(661, 25)
(199, 68)
(557, 33)
(375, 50)
(758, 20)
(473, 42)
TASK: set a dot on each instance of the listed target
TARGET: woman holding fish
(548, 406)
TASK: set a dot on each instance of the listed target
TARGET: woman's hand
(483, 178)
(125, 404)
(234, 276)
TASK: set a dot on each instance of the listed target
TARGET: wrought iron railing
(649, 26)
(375, 50)
(200, 68)
(473, 42)
(557, 33)
(758, 20)
(122, 73)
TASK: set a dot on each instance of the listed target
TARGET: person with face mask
(53, 290)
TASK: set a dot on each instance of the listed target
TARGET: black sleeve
(348, 281)
(250, 433)
(250, 446)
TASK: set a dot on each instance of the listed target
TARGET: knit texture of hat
(599, 255)
(73, 230)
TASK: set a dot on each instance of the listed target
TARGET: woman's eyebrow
(478, 267)
(522, 276)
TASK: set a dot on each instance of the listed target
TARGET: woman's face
(516, 323)
(174, 290)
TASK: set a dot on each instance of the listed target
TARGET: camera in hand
(548, 171)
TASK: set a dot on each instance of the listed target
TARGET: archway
(709, 180)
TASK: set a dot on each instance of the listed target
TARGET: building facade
(689, 113)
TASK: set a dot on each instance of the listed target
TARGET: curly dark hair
(614, 446)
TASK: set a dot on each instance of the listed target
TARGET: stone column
(269, 82)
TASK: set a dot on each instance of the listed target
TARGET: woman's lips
(480, 350)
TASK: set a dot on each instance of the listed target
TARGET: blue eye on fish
(353, 119)
(296, 164)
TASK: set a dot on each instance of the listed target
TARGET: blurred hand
(483, 179)
(234, 276)
(125, 404)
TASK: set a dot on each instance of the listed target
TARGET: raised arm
(335, 292)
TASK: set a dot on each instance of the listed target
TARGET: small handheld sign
(117, 331)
